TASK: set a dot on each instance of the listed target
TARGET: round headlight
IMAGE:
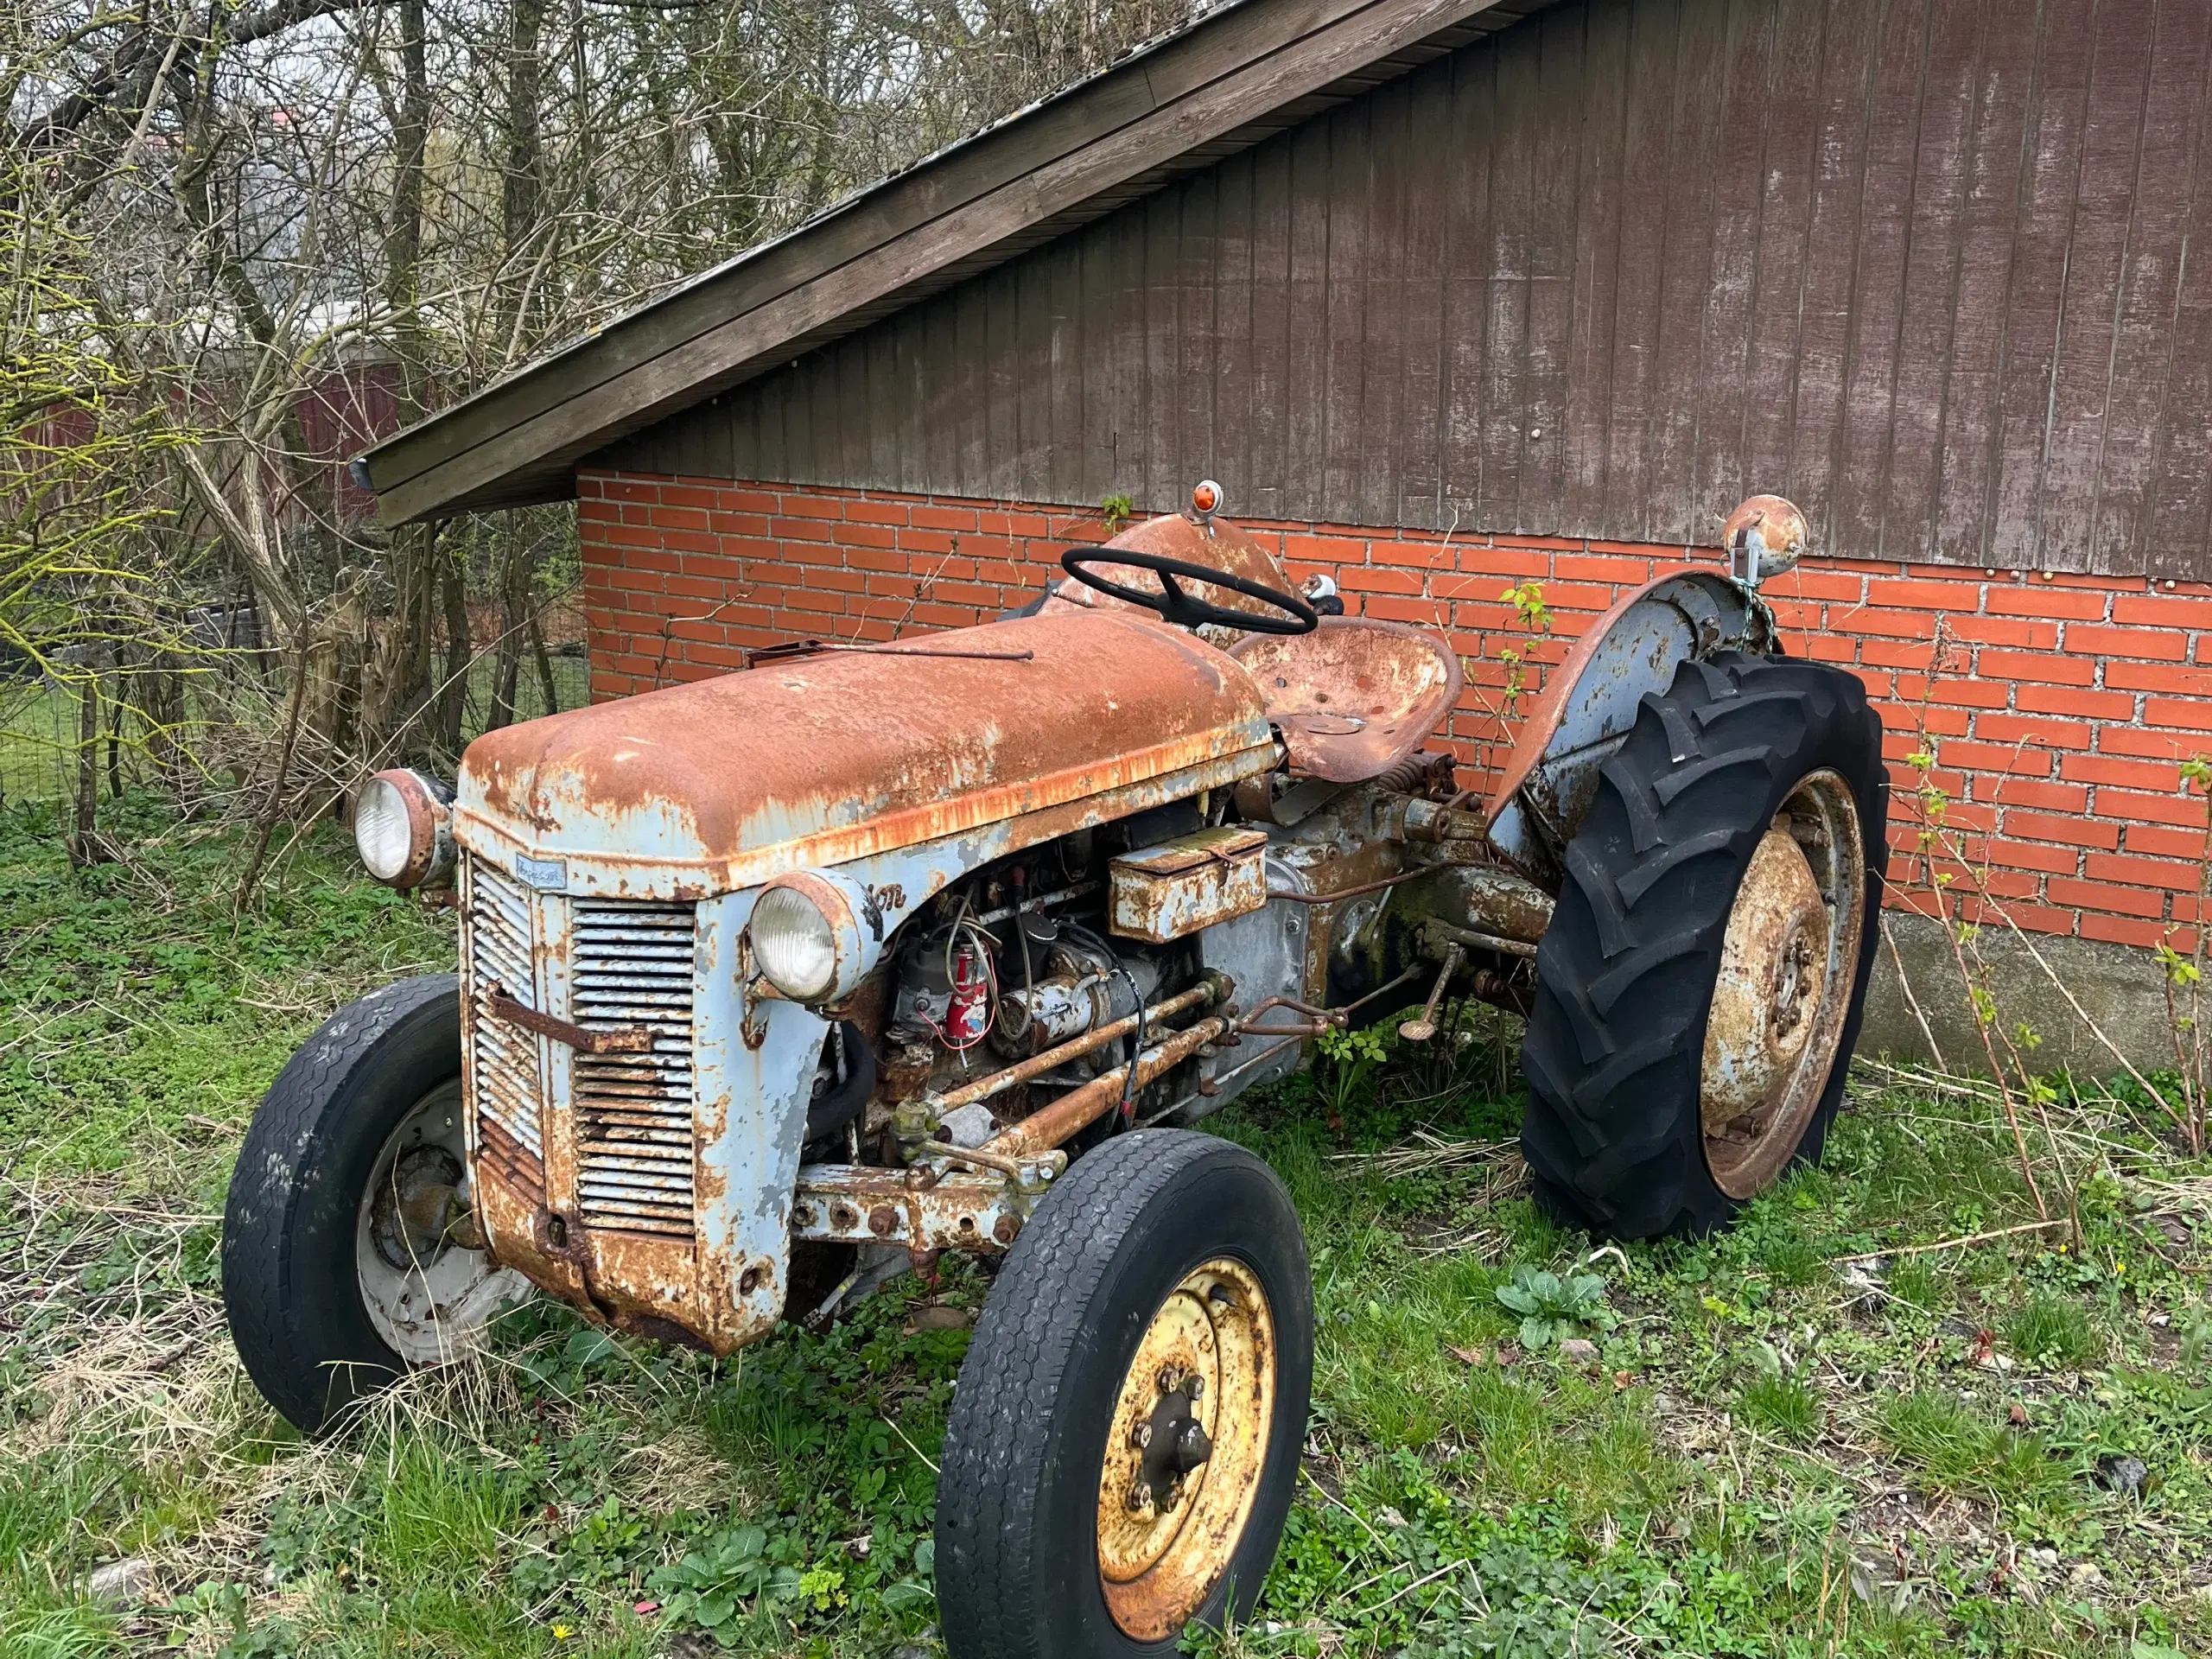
(795, 944)
(402, 828)
(381, 830)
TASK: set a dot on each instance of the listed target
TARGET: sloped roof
(1240, 74)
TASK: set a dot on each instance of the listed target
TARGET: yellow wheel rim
(1789, 964)
(1185, 1448)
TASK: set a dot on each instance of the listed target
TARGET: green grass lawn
(1783, 1443)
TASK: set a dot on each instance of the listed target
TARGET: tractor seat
(1354, 698)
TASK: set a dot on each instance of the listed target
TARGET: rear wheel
(1124, 1443)
(1703, 978)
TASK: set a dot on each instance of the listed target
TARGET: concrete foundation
(2119, 989)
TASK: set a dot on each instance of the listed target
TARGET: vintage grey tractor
(778, 984)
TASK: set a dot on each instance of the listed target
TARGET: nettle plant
(1353, 1057)
(2185, 980)
(1553, 1308)
(1530, 610)
(1533, 616)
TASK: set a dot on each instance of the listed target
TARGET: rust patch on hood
(833, 757)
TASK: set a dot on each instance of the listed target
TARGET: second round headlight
(795, 944)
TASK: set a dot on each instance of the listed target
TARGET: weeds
(1553, 1308)
(2054, 1331)
(1956, 1450)
(1773, 1415)
(1954, 888)
(1782, 1405)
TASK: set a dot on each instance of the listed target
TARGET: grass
(1793, 1438)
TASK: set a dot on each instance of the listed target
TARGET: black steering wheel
(1179, 606)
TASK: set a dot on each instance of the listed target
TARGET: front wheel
(1124, 1446)
(1700, 986)
(345, 1259)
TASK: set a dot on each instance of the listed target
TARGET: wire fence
(38, 741)
(42, 750)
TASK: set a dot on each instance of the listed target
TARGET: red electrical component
(969, 1015)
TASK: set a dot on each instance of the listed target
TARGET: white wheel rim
(432, 1306)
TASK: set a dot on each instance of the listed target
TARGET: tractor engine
(1015, 965)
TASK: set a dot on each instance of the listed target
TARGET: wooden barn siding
(1920, 265)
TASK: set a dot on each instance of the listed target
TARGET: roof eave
(1240, 74)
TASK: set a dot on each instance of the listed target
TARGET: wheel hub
(413, 1211)
(1170, 1444)
(1783, 988)
(427, 1284)
(1185, 1449)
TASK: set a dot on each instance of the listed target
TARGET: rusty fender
(848, 1204)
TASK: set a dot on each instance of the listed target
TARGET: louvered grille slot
(510, 1083)
(632, 966)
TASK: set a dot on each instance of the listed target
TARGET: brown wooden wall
(1923, 266)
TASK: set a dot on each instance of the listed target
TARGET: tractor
(776, 985)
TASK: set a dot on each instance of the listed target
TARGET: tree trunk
(115, 742)
(549, 691)
(85, 845)
(453, 695)
(517, 566)
(522, 207)
(396, 690)
(523, 188)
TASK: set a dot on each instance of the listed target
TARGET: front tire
(1700, 986)
(340, 1271)
(1124, 1443)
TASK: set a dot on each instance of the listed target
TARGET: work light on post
(1762, 537)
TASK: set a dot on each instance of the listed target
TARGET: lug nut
(1140, 1436)
(1168, 1379)
(1197, 1388)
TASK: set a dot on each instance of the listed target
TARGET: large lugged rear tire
(338, 1270)
(1124, 1443)
(1748, 773)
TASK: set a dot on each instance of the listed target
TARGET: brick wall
(2056, 709)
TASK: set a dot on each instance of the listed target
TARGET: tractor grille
(631, 964)
(509, 1076)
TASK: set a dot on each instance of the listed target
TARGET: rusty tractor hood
(717, 786)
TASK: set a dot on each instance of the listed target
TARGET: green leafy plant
(2197, 1340)
(1553, 1309)
(1118, 510)
(1351, 1058)
(709, 1588)
(1531, 612)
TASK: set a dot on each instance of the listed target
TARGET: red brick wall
(2057, 712)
